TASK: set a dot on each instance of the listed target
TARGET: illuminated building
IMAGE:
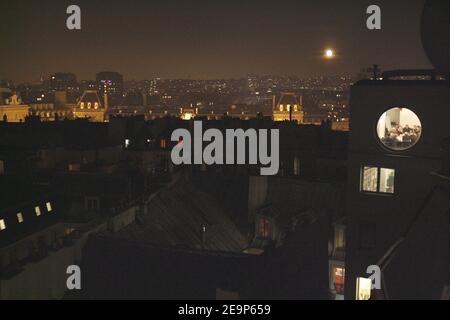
(58, 110)
(288, 108)
(90, 106)
(11, 107)
(188, 113)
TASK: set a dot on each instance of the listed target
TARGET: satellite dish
(436, 34)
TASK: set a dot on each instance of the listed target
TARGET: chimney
(375, 72)
(203, 234)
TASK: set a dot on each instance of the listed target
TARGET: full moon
(329, 53)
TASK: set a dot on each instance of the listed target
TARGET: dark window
(264, 228)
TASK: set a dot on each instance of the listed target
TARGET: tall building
(397, 131)
(398, 190)
(110, 83)
(287, 108)
(63, 81)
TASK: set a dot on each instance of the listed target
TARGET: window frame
(378, 182)
(20, 218)
(3, 225)
(394, 150)
(264, 225)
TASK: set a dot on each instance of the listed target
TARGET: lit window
(264, 230)
(387, 177)
(49, 206)
(399, 129)
(68, 231)
(296, 170)
(295, 108)
(363, 288)
(281, 107)
(89, 105)
(96, 105)
(369, 179)
(377, 180)
(339, 280)
(82, 105)
(339, 237)
(2, 225)
(37, 210)
(20, 217)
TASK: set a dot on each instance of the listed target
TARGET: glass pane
(399, 128)
(369, 177)
(387, 177)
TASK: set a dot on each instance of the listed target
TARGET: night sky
(205, 39)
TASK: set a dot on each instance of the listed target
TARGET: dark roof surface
(288, 198)
(176, 217)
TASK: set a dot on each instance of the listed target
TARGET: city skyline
(197, 40)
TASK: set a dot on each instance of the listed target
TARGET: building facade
(90, 106)
(397, 131)
(288, 108)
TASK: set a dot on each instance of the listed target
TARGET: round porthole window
(399, 129)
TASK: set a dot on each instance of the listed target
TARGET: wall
(390, 215)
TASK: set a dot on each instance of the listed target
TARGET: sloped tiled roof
(176, 217)
(90, 96)
(288, 98)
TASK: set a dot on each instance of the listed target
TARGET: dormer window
(89, 105)
(82, 105)
(37, 211)
(19, 217)
(2, 224)
(281, 108)
(49, 206)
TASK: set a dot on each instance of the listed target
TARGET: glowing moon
(329, 54)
